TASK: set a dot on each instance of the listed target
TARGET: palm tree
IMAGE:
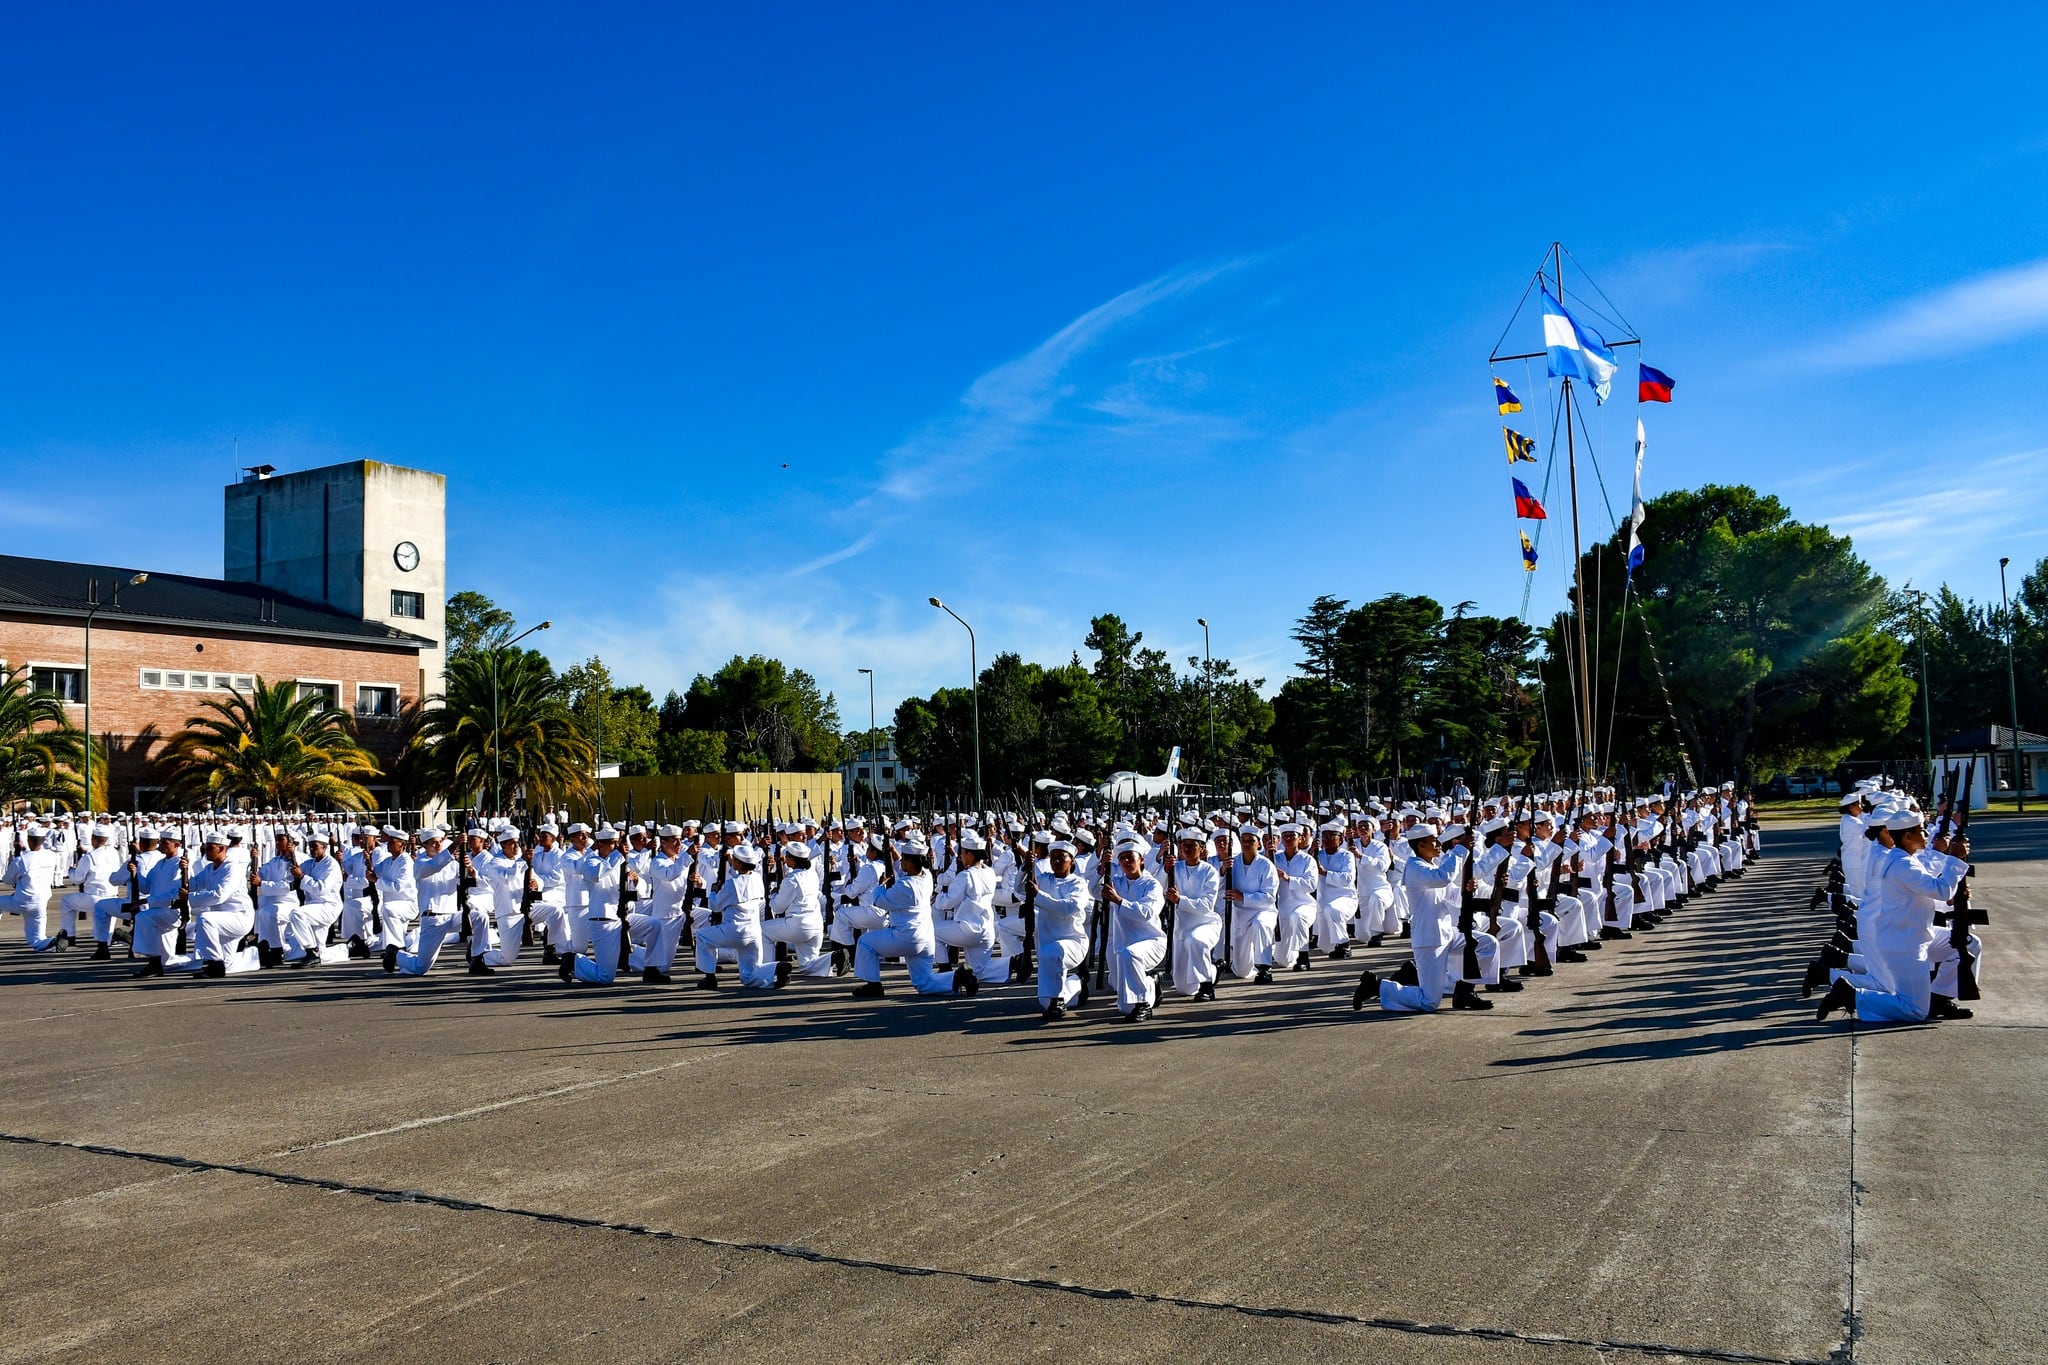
(523, 723)
(41, 751)
(274, 747)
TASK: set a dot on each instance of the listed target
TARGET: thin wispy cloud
(1941, 522)
(1963, 317)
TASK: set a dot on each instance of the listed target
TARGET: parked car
(1808, 782)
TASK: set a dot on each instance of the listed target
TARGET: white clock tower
(366, 538)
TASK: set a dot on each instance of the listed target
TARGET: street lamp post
(1926, 704)
(113, 600)
(498, 663)
(974, 667)
(1209, 685)
(874, 761)
(2012, 689)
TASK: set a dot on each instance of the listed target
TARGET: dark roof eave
(395, 640)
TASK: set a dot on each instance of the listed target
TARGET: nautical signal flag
(1526, 506)
(1505, 396)
(1652, 385)
(1528, 552)
(1520, 447)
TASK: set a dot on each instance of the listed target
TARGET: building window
(67, 684)
(327, 691)
(888, 774)
(376, 700)
(178, 680)
(409, 604)
(866, 773)
(152, 678)
(174, 680)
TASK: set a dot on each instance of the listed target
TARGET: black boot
(390, 959)
(654, 976)
(1816, 977)
(215, 968)
(1569, 954)
(708, 981)
(1302, 962)
(151, 966)
(357, 948)
(1406, 975)
(1507, 985)
(1054, 1012)
(783, 968)
(1840, 996)
(477, 967)
(1945, 1007)
(965, 982)
(566, 968)
(1368, 985)
(1463, 997)
(1610, 933)
(1340, 952)
(1264, 975)
(102, 954)
(1375, 940)
(549, 957)
(1206, 991)
(869, 990)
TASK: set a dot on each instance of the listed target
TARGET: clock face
(406, 556)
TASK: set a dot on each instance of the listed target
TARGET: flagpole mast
(1585, 687)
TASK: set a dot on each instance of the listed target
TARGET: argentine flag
(1576, 350)
(1635, 511)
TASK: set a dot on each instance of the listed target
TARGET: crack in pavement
(802, 1253)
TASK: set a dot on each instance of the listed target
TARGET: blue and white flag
(1576, 350)
(1635, 511)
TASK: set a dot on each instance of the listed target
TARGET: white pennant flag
(1635, 511)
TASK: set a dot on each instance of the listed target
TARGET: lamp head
(869, 671)
(545, 625)
(937, 603)
(138, 580)
(1202, 621)
(2003, 560)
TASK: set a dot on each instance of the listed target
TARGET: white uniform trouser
(104, 911)
(1009, 928)
(1437, 968)
(156, 932)
(1622, 908)
(355, 917)
(1292, 924)
(854, 920)
(1947, 964)
(1516, 947)
(916, 952)
(805, 935)
(41, 920)
(401, 923)
(435, 931)
(746, 946)
(977, 943)
(271, 918)
(1251, 938)
(551, 922)
(1194, 951)
(1572, 925)
(597, 964)
(658, 951)
(216, 932)
(305, 930)
(1059, 961)
(1905, 988)
(576, 931)
(1130, 970)
(511, 938)
(1379, 912)
(1334, 913)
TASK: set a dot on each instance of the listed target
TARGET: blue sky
(1170, 311)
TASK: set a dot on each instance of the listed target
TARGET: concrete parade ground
(1656, 1154)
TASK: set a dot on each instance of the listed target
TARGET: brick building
(330, 574)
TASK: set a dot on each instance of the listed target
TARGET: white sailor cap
(1899, 820)
(1453, 830)
(1494, 825)
(606, 835)
(970, 842)
(1042, 836)
(1188, 832)
(636, 829)
(1061, 846)
(1544, 817)
(669, 831)
(745, 854)
(507, 835)
(734, 827)
(547, 827)
(578, 828)
(1085, 838)
(393, 832)
(212, 838)
(689, 825)
(797, 850)
(1851, 798)
(1335, 827)
(914, 848)
(1419, 831)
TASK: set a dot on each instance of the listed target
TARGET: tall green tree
(504, 721)
(41, 752)
(620, 722)
(774, 718)
(273, 747)
(1770, 632)
(475, 622)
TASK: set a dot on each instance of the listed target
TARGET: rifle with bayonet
(1963, 914)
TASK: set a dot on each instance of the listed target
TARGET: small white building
(873, 774)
